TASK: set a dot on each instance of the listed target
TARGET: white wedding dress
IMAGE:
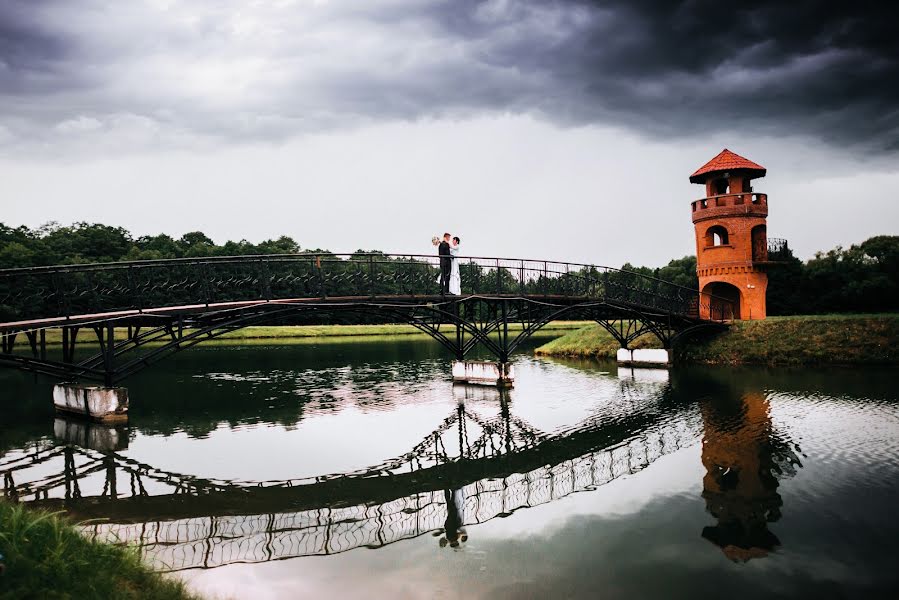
(455, 282)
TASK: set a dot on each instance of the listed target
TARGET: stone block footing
(478, 372)
(98, 403)
(645, 357)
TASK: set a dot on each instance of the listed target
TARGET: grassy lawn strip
(795, 340)
(287, 332)
(592, 341)
(46, 558)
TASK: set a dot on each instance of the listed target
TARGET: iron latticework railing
(65, 292)
(778, 249)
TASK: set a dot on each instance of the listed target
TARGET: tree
(158, 246)
(16, 254)
(884, 249)
(196, 243)
(785, 284)
(282, 245)
(85, 242)
(680, 271)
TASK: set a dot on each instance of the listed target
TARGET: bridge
(473, 467)
(166, 306)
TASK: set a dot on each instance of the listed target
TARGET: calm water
(357, 470)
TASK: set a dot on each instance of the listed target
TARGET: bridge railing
(67, 291)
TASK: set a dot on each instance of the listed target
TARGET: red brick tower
(731, 238)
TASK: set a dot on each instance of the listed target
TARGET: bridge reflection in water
(469, 470)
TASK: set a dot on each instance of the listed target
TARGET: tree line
(861, 278)
(54, 244)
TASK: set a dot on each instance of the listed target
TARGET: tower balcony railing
(772, 250)
(745, 199)
(778, 250)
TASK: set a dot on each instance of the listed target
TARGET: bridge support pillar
(98, 403)
(479, 372)
(661, 358)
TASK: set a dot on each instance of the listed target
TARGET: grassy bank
(46, 558)
(799, 340)
(287, 333)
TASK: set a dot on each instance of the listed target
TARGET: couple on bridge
(448, 249)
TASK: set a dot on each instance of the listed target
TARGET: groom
(446, 263)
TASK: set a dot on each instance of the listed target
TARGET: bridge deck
(191, 309)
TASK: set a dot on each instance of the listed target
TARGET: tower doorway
(723, 299)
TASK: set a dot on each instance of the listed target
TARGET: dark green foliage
(681, 271)
(785, 284)
(864, 278)
(53, 244)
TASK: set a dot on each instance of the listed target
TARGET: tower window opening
(716, 236)
(721, 186)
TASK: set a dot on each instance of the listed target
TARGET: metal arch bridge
(169, 305)
(496, 464)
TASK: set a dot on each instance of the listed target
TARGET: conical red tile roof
(726, 161)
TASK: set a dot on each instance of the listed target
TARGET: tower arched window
(716, 236)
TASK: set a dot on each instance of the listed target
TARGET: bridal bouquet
(435, 240)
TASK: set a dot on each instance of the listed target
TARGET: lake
(356, 469)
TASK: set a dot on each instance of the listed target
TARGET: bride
(455, 282)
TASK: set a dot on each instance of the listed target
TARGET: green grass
(46, 558)
(287, 333)
(592, 341)
(826, 339)
(795, 340)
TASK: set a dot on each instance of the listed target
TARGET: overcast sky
(560, 129)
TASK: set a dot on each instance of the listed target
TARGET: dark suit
(446, 265)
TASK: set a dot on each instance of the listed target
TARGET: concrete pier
(103, 404)
(478, 372)
(645, 357)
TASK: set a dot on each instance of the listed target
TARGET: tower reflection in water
(744, 458)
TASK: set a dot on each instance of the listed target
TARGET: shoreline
(848, 340)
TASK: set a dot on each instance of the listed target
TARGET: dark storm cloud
(29, 55)
(164, 70)
(826, 69)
